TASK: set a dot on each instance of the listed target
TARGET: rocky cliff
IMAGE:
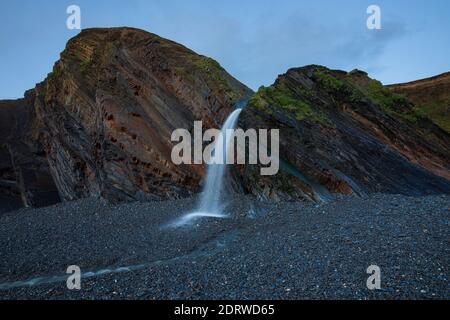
(100, 124)
(110, 105)
(345, 133)
(431, 97)
(25, 178)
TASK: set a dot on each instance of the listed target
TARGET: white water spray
(211, 199)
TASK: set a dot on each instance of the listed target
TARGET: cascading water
(211, 199)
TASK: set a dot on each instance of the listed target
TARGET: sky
(253, 40)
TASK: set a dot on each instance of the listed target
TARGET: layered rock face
(345, 133)
(430, 96)
(101, 125)
(108, 109)
(25, 178)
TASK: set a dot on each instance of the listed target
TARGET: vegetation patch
(356, 96)
(330, 83)
(258, 101)
(437, 112)
(282, 97)
(391, 103)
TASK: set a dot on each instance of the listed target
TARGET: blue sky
(254, 40)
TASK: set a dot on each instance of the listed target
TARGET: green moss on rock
(330, 83)
(281, 96)
(391, 103)
(437, 112)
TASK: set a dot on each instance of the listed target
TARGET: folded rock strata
(345, 133)
(109, 108)
(100, 124)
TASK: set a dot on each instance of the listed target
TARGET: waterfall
(210, 204)
(210, 201)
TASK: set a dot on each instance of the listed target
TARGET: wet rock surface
(262, 251)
